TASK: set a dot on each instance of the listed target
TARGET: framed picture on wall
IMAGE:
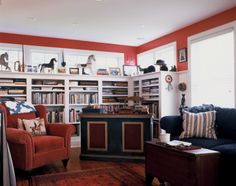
(182, 55)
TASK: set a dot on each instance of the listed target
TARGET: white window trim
(30, 48)
(118, 55)
(204, 35)
(172, 44)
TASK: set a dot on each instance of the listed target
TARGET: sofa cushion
(199, 125)
(206, 143)
(48, 143)
(226, 122)
(227, 149)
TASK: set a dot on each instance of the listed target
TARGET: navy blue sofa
(225, 126)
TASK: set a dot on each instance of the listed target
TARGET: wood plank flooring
(74, 164)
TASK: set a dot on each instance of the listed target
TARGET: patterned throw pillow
(199, 125)
(17, 107)
(20, 124)
(35, 126)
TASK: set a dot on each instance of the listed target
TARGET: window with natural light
(212, 70)
(102, 59)
(166, 53)
(14, 53)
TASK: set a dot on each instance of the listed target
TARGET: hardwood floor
(74, 164)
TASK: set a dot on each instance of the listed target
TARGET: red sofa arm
(19, 136)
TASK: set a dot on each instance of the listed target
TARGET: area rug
(111, 176)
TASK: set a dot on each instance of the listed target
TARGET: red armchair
(29, 152)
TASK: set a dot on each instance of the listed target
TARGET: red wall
(180, 36)
(129, 51)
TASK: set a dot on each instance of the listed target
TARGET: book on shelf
(55, 116)
(6, 81)
(16, 91)
(74, 83)
(2, 92)
(74, 115)
(121, 84)
(88, 83)
(102, 71)
(20, 82)
(20, 98)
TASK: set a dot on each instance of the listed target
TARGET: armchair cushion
(48, 143)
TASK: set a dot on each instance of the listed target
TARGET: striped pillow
(199, 125)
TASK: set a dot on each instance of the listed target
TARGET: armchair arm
(19, 136)
(63, 130)
(22, 148)
(172, 124)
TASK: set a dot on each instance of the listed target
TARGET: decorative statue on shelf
(48, 65)
(152, 68)
(162, 64)
(3, 61)
(173, 68)
(89, 67)
(149, 69)
(182, 87)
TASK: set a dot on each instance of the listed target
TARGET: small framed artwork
(74, 70)
(130, 70)
(182, 55)
(114, 71)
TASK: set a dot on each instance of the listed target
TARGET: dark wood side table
(181, 167)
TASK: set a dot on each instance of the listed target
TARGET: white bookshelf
(119, 87)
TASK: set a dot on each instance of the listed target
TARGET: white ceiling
(127, 22)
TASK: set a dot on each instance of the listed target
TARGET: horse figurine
(48, 65)
(3, 62)
(91, 59)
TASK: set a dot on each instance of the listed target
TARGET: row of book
(150, 90)
(11, 91)
(150, 82)
(83, 98)
(74, 115)
(48, 98)
(13, 81)
(48, 82)
(55, 116)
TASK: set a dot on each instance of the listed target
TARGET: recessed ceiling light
(142, 26)
(140, 38)
(75, 23)
(31, 18)
(98, 0)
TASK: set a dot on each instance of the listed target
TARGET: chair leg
(65, 162)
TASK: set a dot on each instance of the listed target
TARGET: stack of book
(102, 71)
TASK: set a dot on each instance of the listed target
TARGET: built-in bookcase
(66, 95)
